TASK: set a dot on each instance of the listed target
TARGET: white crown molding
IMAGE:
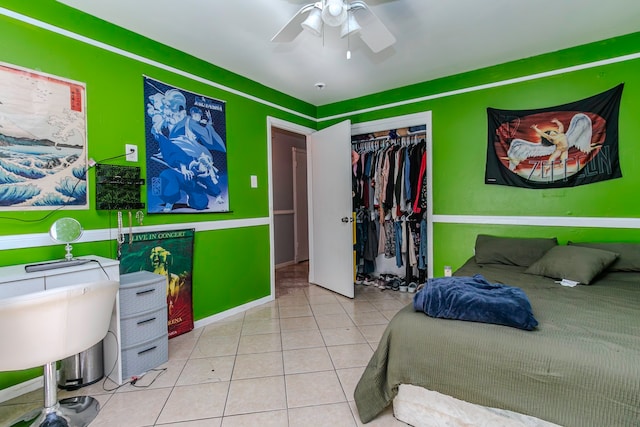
(136, 57)
(139, 58)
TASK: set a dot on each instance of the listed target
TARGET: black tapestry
(563, 146)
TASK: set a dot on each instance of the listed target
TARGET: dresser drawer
(142, 291)
(140, 358)
(138, 328)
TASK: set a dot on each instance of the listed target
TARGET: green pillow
(522, 251)
(575, 263)
(628, 254)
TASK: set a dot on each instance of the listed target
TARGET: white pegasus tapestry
(563, 146)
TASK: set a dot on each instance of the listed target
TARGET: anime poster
(563, 146)
(186, 151)
(169, 253)
(43, 157)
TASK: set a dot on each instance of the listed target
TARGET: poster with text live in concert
(169, 253)
(563, 146)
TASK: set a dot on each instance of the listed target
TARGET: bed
(581, 365)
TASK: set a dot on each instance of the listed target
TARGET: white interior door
(330, 218)
(300, 205)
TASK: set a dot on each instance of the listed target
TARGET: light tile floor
(291, 362)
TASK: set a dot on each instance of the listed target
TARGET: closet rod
(379, 138)
(386, 138)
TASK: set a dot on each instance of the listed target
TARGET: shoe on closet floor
(369, 280)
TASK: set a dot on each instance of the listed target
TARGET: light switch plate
(254, 181)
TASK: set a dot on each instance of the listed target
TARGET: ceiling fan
(353, 17)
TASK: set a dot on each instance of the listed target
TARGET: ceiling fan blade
(373, 32)
(292, 29)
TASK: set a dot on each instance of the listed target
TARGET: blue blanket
(477, 300)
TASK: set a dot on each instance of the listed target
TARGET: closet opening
(390, 201)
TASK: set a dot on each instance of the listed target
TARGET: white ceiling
(435, 38)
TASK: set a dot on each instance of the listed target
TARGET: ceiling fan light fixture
(352, 16)
(350, 26)
(313, 23)
(334, 12)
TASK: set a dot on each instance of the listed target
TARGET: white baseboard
(231, 312)
(20, 389)
(285, 264)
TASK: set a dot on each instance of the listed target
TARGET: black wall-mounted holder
(118, 187)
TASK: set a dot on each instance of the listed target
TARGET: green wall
(456, 241)
(460, 137)
(231, 265)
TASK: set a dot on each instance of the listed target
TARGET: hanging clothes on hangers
(388, 176)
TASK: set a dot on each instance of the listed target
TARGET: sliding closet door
(330, 216)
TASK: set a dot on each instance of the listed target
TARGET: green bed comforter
(580, 367)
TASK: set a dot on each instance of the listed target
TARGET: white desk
(14, 280)
(137, 337)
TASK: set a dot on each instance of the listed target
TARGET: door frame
(416, 119)
(297, 218)
(273, 122)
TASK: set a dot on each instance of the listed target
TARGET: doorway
(330, 246)
(292, 278)
(290, 208)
